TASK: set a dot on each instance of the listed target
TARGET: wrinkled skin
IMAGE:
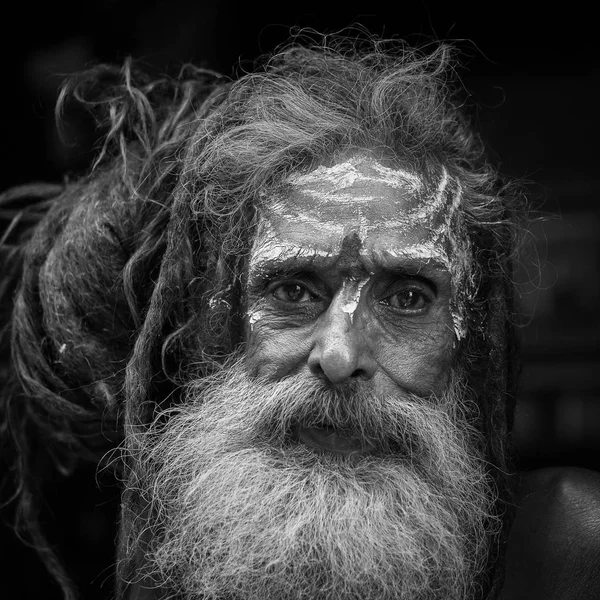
(340, 287)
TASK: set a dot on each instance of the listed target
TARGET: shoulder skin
(554, 544)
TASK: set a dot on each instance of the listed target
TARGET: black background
(534, 75)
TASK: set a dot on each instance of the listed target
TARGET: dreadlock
(132, 282)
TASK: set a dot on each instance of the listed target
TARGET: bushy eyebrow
(293, 263)
(263, 271)
(398, 266)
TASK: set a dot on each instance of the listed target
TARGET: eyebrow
(414, 261)
(404, 263)
(274, 266)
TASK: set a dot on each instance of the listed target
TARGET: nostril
(317, 369)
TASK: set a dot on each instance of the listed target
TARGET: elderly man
(290, 298)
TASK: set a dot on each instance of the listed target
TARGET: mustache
(273, 408)
(238, 411)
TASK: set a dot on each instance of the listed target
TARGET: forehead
(387, 210)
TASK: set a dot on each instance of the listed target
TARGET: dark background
(532, 73)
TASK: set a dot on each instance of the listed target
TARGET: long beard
(239, 509)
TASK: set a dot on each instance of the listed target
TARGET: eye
(293, 292)
(408, 300)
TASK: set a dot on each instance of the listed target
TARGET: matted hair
(132, 283)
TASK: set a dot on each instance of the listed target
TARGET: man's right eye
(293, 292)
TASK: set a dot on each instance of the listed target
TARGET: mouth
(325, 438)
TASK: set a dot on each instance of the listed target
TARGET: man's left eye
(408, 300)
(293, 292)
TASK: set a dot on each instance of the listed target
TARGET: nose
(341, 351)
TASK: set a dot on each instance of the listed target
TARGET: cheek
(275, 353)
(421, 371)
(414, 359)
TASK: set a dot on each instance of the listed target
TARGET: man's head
(338, 458)
(318, 272)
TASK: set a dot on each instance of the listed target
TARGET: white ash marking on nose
(350, 306)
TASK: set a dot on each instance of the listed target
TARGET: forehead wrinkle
(316, 205)
(295, 258)
(425, 257)
(325, 220)
(346, 175)
(288, 257)
(282, 209)
(349, 255)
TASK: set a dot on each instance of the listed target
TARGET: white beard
(239, 510)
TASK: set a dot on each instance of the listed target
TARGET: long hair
(133, 283)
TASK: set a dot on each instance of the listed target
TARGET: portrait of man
(281, 310)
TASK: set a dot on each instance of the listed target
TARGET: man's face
(336, 458)
(351, 279)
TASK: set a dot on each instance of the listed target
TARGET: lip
(325, 439)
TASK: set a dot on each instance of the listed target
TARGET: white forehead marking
(429, 250)
(268, 247)
(327, 227)
(452, 233)
(456, 200)
(428, 210)
(274, 250)
(345, 175)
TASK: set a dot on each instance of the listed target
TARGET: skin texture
(554, 544)
(343, 281)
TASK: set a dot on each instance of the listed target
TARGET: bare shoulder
(554, 544)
